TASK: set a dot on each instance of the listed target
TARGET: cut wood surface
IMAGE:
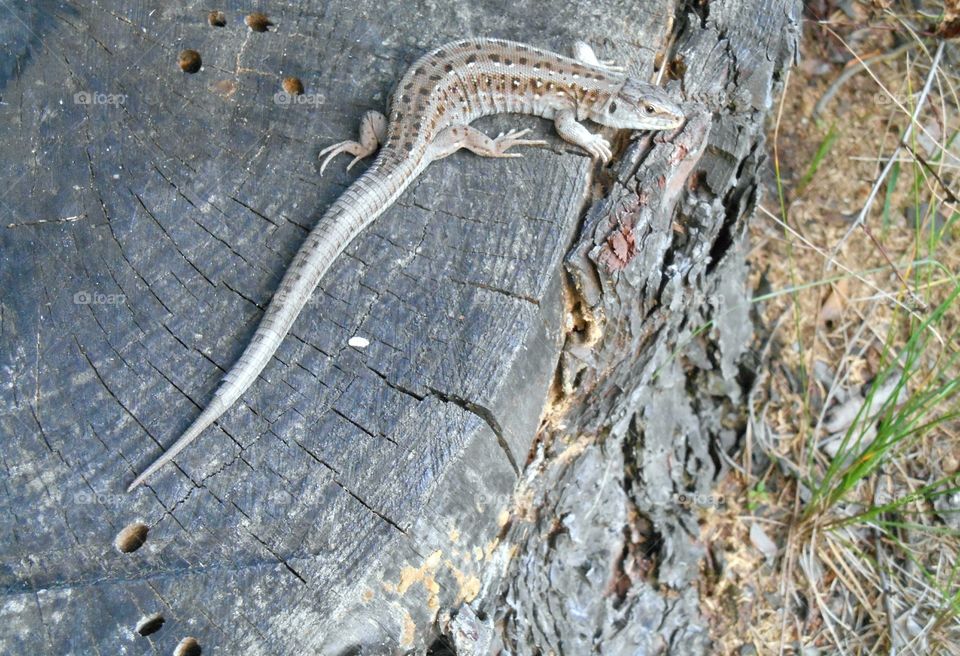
(356, 499)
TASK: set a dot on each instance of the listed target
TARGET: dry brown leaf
(832, 308)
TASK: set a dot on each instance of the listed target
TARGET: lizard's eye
(649, 109)
(613, 107)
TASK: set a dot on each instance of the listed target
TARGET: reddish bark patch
(620, 248)
(679, 154)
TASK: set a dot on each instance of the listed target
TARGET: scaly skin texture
(429, 119)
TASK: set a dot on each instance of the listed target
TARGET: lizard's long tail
(356, 208)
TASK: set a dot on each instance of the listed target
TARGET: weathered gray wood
(651, 386)
(351, 496)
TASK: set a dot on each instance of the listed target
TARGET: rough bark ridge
(600, 554)
(353, 496)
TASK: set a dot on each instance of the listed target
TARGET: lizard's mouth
(665, 125)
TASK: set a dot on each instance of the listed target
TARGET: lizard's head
(639, 106)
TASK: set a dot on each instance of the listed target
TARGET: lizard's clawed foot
(505, 141)
(598, 147)
(373, 129)
(352, 147)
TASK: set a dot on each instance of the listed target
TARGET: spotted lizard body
(429, 119)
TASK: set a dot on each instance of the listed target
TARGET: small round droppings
(257, 22)
(151, 624)
(217, 18)
(131, 538)
(189, 61)
(293, 86)
(188, 647)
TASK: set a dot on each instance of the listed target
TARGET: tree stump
(498, 467)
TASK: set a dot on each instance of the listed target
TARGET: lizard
(429, 118)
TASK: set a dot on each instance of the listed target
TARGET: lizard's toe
(526, 142)
(612, 66)
(340, 145)
(327, 159)
(516, 134)
(352, 147)
(505, 141)
(599, 148)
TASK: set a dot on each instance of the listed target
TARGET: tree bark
(601, 552)
(499, 465)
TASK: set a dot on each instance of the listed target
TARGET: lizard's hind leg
(373, 132)
(463, 136)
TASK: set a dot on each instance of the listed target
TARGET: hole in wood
(293, 86)
(188, 647)
(217, 18)
(131, 538)
(189, 61)
(148, 625)
(442, 646)
(257, 22)
(677, 68)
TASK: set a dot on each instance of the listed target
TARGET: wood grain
(352, 495)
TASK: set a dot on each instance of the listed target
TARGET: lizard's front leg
(456, 137)
(584, 53)
(373, 132)
(567, 127)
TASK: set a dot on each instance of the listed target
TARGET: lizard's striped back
(465, 80)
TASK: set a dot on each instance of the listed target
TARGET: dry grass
(840, 532)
